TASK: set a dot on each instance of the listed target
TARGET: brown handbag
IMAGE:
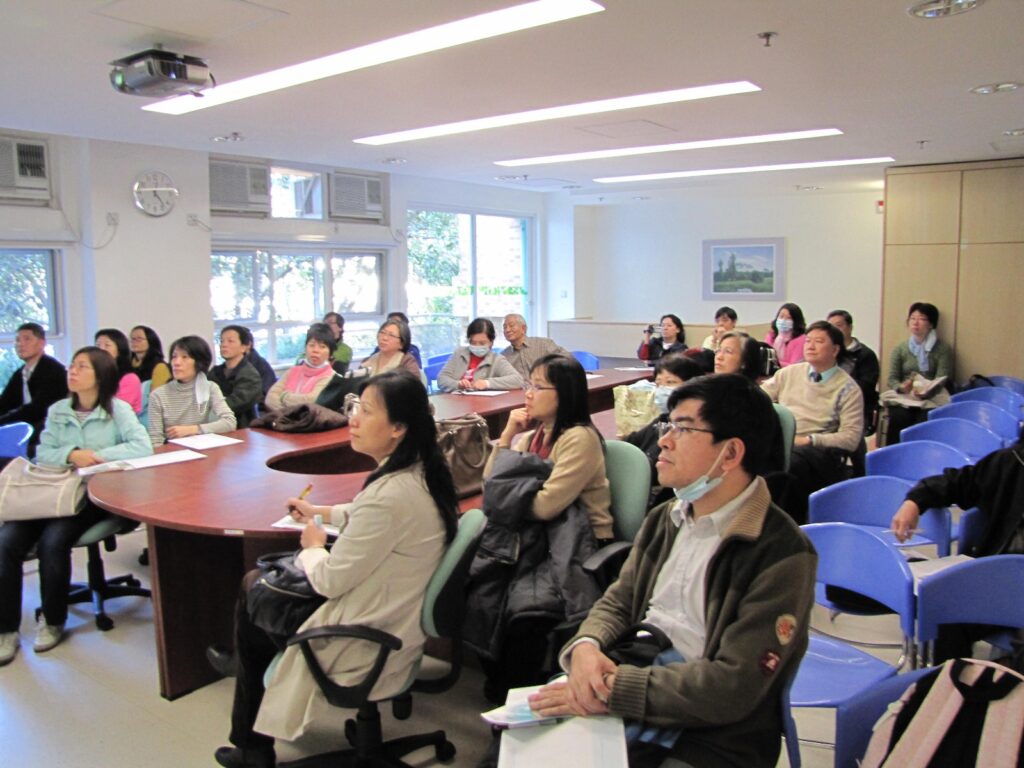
(465, 443)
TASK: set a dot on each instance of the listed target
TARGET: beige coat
(376, 574)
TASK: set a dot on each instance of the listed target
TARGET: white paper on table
(200, 442)
(156, 460)
(594, 376)
(288, 522)
(922, 569)
(635, 368)
(481, 392)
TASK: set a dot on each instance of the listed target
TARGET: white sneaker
(47, 636)
(8, 647)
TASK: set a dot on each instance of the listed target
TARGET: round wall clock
(154, 193)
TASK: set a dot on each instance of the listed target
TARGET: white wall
(636, 261)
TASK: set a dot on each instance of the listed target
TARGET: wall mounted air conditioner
(239, 187)
(24, 171)
(355, 197)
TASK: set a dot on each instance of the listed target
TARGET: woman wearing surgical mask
(787, 334)
(670, 372)
(476, 366)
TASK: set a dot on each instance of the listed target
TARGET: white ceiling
(886, 79)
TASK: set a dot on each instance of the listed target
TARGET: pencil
(305, 491)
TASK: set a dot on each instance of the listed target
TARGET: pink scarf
(301, 378)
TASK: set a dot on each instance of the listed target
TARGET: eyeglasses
(386, 335)
(531, 387)
(676, 430)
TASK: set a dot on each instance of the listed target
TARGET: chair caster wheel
(104, 623)
(445, 751)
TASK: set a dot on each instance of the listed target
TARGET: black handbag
(282, 598)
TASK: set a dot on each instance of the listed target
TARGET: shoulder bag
(282, 598)
(465, 445)
(31, 491)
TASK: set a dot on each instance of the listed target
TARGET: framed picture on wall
(745, 269)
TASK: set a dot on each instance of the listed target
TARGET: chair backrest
(14, 439)
(442, 358)
(588, 360)
(431, 372)
(982, 591)
(1006, 399)
(966, 436)
(915, 460)
(990, 416)
(1009, 382)
(147, 387)
(443, 603)
(856, 559)
(788, 424)
(629, 479)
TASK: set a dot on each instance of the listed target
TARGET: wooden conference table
(208, 520)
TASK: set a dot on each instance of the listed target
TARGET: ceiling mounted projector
(158, 73)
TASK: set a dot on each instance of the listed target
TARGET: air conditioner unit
(356, 197)
(237, 187)
(24, 173)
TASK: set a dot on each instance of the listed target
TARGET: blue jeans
(52, 538)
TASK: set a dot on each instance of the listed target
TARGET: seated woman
(189, 404)
(476, 366)
(739, 353)
(392, 353)
(342, 356)
(303, 383)
(238, 380)
(129, 387)
(89, 427)
(787, 334)
(673, 339)
(923, 353)
(725, 322)
(669, 372)
(148, 357)
(557, 408)
(393, 535)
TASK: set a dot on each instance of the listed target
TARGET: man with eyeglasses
(723, 574)
(34, 387)
(522, 350)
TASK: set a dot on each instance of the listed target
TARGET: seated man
(829, 411)
(725, 321)
(34, 387)
(861, 363)
(724, 573)
(523, 351)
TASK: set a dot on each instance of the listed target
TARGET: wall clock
(154, 193)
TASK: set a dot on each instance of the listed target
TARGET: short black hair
(35, 329)
(799, 324)
(322, 332)
(196, 348)
(398, 316)
(481, 325)
(681, 338)
(733, 406)
(834, 334)
(244, 334)
(726, 312)
(337, 316)
(928, 310)
(847, 317)
(124, 353)
(679, 365)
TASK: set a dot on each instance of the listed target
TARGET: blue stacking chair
(915, 460)
(870, 502)
(982, 591)
(966, 436)
(442, 358)
(1006, 399)
(588, 360)
(14, 440)
(992, 417)
(1009, 382)
(431, 372)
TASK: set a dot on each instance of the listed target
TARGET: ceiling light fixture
(468, 30)
(229, 137)
(1014, 132)
(511, 178)
(941, 9)
(989, 88)
(394, 161)
(569, 110)
(747, 169)
(679, 147)
(807, 188)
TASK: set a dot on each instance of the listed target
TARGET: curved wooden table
(209, 519)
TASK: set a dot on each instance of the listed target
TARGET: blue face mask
(784, 326)
(702, 485)
(661, 398)
(479, 350)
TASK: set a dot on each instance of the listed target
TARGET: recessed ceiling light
(940, 9)
(569, 110)
(641, 197)
(233, 136)
(394, 161)
(468, 30)
(571, 186)
(679, 147)
(989, 88)
(806, 188)
(1014, 132)
(511, 178)
(747, 169)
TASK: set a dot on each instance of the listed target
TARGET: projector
(157, 73)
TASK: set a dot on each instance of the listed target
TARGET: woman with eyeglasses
(740, 353)
(148, 356)
(304, 382)
(393, 534)
(476, 366)
(393, 341)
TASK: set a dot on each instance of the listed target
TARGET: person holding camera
(668, 338)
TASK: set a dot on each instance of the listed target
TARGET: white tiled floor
(93, 700)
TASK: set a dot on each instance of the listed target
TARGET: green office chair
(788, 424)
(441, 618)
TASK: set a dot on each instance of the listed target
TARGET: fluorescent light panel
(747, 169)
(569, 110)
(678, 147)
(481, 27)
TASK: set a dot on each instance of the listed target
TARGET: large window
(28, 294)
(461, 266)
(278, 292)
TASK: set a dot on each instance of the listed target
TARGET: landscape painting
(744, 269)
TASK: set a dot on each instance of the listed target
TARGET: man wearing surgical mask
(724, 574)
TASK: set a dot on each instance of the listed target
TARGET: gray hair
(518, 318)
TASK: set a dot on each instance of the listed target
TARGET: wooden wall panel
(991, 310)
(922, 208)
(993, 205)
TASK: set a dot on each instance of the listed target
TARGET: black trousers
(523, 660)
(812, 469)
(900, 418)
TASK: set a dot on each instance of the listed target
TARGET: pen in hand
(303, 495)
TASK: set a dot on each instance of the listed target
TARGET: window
(461, 266)
(278, 292)
(28, 294)
(296, 194)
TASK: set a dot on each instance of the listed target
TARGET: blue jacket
(120, 437)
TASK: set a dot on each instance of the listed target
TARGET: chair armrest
(600, 560)
(350, 696)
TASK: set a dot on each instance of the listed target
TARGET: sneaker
(8, 647)
(48, 636)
